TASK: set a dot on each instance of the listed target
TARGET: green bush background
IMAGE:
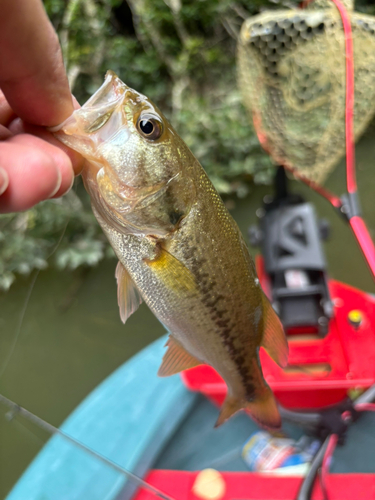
(180, 53)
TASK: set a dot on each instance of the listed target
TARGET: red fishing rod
(348, 204)
(354, 214)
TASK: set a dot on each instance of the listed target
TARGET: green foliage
(180, 53)
(60, 232)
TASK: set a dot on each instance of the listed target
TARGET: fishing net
(291, 68)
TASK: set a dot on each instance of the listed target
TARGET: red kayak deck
(320, 371)
(253, 486)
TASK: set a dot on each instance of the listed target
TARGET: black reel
(290, 235)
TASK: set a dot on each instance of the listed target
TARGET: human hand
(34, 94)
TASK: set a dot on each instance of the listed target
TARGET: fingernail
(71, 185)
(58, 184)
(67, 190)
(4, 180)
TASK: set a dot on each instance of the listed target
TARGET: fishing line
(23, 429)
(20, 323)
(224, 459)
(25, 305)
(189, 451)
(51, 429)
(27, 300)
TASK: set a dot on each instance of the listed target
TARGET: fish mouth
(99, 119)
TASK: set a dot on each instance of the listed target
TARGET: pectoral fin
(173, 273)
(274, 340)
(176, 359)
(129, 299)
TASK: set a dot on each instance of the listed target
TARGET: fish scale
(178, 247)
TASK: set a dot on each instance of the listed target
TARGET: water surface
(71, 336)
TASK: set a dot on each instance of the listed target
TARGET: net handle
(349, 105)
(349, 96)
(356, 221)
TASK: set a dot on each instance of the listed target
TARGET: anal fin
(176, 359)
(263, 409)
(230, 406)
(274, 339)
(129, 299)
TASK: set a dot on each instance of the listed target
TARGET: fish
(179, 249)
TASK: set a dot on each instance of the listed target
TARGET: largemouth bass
(178, 247)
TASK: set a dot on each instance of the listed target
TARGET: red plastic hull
(253, 486)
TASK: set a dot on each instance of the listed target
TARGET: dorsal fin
(176, 359)
(274, 340)
(128, 296)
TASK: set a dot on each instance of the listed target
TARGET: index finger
(32, 74)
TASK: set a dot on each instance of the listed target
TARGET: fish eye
(149, 127)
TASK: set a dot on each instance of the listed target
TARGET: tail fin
(263, 409)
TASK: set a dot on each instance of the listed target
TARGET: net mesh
(291, 72)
